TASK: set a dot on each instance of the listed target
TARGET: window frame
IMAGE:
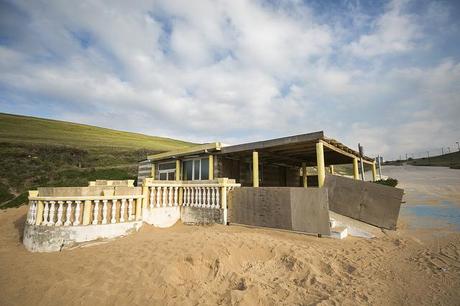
(194, 160)
(168, 172)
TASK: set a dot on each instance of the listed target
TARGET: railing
(83, 210)
(210, 194)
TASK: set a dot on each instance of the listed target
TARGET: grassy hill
(451, 160)
(40, 152)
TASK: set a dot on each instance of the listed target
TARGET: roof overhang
(294, 150)
(204, 148)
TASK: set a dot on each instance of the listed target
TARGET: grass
(451, 160)
(39, 152)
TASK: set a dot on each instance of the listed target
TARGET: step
(339, 232)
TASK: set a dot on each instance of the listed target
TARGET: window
(195, 169)
(167, 171)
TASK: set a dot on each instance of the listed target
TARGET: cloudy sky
(386, 74)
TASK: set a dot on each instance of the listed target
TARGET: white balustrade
(96, 212)
(59, 213)
(175, 196)
(158, 197)
(114, 209)
(130, 210)
(122, 210)
(152, 193)
(77, 213)
(104, 211)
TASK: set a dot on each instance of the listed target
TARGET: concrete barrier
(289, 208)
(365, 201)
(201, 216)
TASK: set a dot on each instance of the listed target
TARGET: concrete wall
(199, 216)
(365, 201)
(161, 216)
(297, 209)
(40, 238)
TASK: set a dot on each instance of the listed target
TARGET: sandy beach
(234, 265)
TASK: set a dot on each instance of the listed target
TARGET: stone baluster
(198, 192)
(152, 194)
(217, 197)
(203, 196)
(68, 212)
(164, 196)
(157, 198)
(184, 196)
(122, 210)
(52, 211)
(130, 210)
(176, 194)
(188, 196)
(104, 211)
(46, 213)
(170, 196)
(114, 210)
(59, 213)
(208, 197)
(77, 213)
(213, 196)
(96, 212)
(32, 212)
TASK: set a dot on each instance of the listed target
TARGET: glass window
(187, 170)
(196, 169)
(163, 176)
(205, 169)
(167, 166)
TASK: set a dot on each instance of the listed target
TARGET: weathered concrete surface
(39, 238)
(87, 191)
(365, 201)
(290, 208)
(199, 216)
(161, 216)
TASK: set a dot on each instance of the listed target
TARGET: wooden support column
(255, 169)
(320, 164)
(374, 172)
(178, 164)
(355, 169)
(304, 175)
(331, 168)
(87, 212)
(211, 167)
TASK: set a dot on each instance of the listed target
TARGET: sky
(382, 73)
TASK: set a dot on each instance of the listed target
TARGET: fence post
(139, 208)
(223, 182)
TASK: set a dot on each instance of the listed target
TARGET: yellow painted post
(211, 167)
(304, 175)
(145, 197)
(40, 208)
(255, 169)
(86, 212)
(178, 170)
(374, 172)
(223, 184)
(153, 171)
(355, 169)
(320, 164)
(331, 168)
(138, 209)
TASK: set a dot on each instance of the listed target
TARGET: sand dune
(217, 265)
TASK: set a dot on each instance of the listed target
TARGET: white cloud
(232, 71)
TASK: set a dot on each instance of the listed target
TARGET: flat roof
(291, 150)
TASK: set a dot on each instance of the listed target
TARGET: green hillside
(40, 152)
(451, 160)
(22, 129)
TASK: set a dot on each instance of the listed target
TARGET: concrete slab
(289, 208)
(365, 201)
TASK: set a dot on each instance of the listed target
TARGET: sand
(233, 265)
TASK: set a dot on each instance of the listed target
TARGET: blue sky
(383, 73)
